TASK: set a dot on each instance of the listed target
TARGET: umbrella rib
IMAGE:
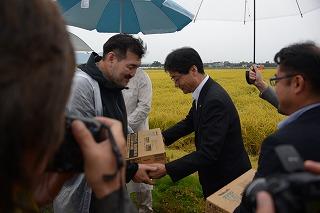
(299, 8)
(171, 21)
(135, 13)
(245, 11)
(194, 20)
(100, 20)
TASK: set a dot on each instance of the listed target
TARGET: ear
(110, 56)
(193, 70)
(299, 84)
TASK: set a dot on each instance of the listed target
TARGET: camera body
(69, 157)
(252, 68)
(291, 193)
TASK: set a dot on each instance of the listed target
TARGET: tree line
(220, 64)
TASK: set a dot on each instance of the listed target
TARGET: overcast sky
(220, 39)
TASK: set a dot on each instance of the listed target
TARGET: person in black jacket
(297, 85)
(220, 156)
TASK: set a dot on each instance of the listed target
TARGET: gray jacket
(138, 100)
(270, 96)
(75, 195)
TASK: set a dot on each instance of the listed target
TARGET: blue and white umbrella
(126, 16)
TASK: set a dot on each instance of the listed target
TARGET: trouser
(143, 196)
(144, 201)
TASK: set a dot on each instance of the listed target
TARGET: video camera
(298, 191)
(69, 157)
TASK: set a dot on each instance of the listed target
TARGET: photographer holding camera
(297, 86)
(37, 66)
(264, 201)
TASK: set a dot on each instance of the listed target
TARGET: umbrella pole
(254, 31)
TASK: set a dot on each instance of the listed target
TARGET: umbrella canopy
(126, 16)
(78, 44)
(244, 11)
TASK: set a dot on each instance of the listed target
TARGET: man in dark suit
(220, 156)
(297, 86)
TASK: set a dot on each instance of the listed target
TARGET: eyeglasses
(274, 80)
(176, 78)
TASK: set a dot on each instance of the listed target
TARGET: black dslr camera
(252, 68)
(295, 192)
(69, 158)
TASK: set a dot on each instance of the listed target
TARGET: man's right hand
(99, 159)
(142, 176)
(312, 166)
(256, 76)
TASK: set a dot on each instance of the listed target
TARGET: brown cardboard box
(146, 147)
(229, 197)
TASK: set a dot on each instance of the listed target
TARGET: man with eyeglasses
(220, 156)
(297, 87)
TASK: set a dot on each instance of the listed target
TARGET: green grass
(182, 196)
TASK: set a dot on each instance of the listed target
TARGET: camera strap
(117, 155)
(289, 158)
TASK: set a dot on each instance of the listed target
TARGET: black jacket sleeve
(131, 170)
(214, 126)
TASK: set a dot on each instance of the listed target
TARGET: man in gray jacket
(96, 91)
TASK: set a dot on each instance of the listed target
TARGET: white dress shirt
(196, 92)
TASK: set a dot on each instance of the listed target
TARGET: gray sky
(218, 38)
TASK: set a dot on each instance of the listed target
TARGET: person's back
(137, 99)
(138, 104)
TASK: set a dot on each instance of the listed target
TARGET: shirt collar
(296, 115)
(196, 92)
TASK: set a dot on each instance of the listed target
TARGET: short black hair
(182, 59)
(301, 58)
(121, 43)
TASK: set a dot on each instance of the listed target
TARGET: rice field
(258, 118)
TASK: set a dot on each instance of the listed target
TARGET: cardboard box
(229, 197)
(146, 147)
